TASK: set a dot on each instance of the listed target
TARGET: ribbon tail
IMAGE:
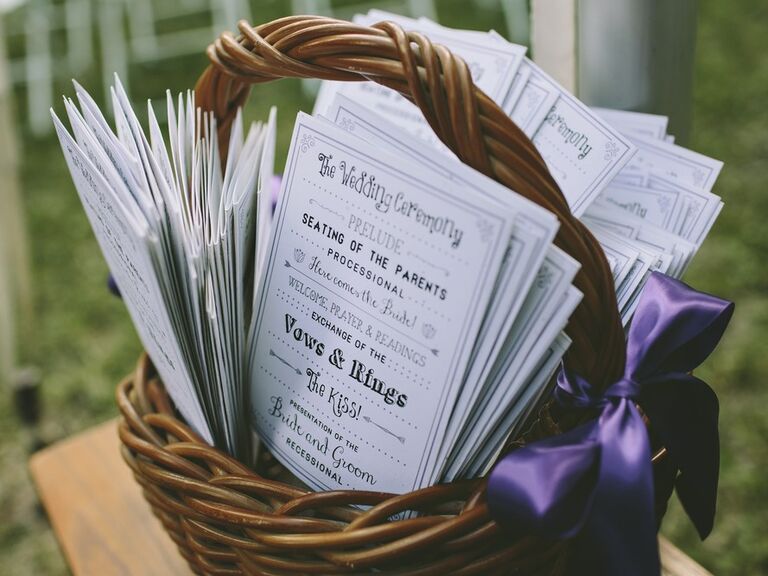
(620, 534)
(693, 443)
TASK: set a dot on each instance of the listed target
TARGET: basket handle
(462, 116)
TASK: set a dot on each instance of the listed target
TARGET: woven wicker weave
(228, 519)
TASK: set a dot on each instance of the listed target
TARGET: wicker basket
(228, 519)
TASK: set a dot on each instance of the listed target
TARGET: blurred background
(65, 341)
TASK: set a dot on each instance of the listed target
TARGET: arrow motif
(367, 419)
(284, 361)
(313, 201)
(428, 263)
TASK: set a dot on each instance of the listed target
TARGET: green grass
(83, 340)
(730, 121)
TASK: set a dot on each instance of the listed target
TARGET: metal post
(553, 39)
(638, 55)
(517, 19)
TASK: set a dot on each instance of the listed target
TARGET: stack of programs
(185, 239)
(406, 315)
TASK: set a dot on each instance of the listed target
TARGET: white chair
(38, 20)
(146, 44)
(39, 66)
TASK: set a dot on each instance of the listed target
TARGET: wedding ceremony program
(382, 317)
(377, 284)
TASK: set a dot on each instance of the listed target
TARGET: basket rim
(196, 489)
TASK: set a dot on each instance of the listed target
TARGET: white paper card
(361, 344)
(582, 151)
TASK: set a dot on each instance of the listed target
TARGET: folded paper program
(597, 479)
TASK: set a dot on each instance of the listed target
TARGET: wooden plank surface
(97, 510)
(674, 562)
(105, 527)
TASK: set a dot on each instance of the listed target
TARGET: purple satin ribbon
(596, 481)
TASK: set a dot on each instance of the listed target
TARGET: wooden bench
(105, 527)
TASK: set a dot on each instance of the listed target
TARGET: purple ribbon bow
(597, 479)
